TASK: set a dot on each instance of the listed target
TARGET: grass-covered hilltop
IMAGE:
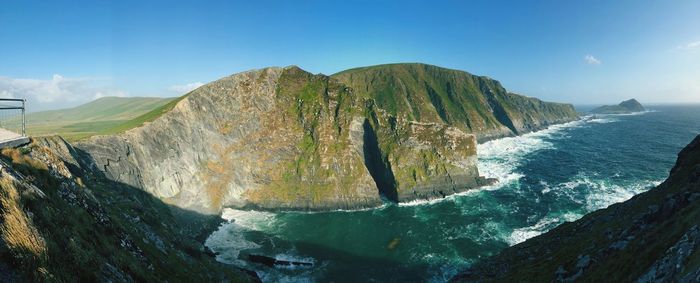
(653, 237)
(474, 104)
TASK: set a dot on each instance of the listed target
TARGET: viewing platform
(12, 121)
(11, 139)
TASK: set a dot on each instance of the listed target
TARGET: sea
(545, 178)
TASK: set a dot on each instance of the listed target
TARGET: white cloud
(57, 92)
(182, 89)
(690, 45)
(117, 93)
(592, 60)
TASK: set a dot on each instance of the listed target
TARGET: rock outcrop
(282, 138)
(473, 104)
(625, 107)
(62, 221)
(653, 237)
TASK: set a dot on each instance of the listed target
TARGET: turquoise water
(546, 178)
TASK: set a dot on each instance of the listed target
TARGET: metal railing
(8, 107)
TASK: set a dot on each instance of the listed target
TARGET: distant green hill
(625, 107)
(102, 116)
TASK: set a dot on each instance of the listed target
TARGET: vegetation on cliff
(282, 138)
(625, 107)
(63, 222)
(474, 104)
(653, 237)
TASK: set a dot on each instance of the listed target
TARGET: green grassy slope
(427, 93)
(424, 92)
(102, 116)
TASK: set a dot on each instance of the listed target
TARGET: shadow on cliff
(378, 165)
(96, 229)
(355, 268)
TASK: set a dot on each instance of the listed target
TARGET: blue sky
(60, 54)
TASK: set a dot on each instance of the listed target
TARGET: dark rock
(272, 262)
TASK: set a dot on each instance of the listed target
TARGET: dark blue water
(546, 178)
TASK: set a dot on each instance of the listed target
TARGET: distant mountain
(95, 117)
(653, 237)
(474, 104)
(625, 107)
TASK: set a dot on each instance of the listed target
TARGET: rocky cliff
(62, 221)
(282, 138)
(653, 237)
(473, 104)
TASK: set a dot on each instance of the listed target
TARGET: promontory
(286, 139)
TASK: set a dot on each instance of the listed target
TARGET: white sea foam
(229, 240)
(545, 224)
(250, 219)
(593, 193)
(604, 193)
(499, 158)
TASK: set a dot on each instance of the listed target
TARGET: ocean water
(545, 178)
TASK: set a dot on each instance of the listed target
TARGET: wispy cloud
(591, 60)
(56, 92)
(691, 45)
(182, 89)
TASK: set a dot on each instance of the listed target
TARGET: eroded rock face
(282, 138)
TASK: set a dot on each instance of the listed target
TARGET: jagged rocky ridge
(653, 237)
(282, 138)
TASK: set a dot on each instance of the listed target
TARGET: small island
(625, 107)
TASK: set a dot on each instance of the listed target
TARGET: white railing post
(24, 127)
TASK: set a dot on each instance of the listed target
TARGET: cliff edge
(283, 138)
(653, 237)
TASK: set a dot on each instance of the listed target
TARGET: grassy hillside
(475, 104)
(102, 116)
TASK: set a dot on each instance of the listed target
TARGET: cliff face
(62, 221)
(653, 237)
(473, 104)
(282, 138)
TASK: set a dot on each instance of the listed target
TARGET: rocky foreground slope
(62, 221)
(653, 237)
(282, 138)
